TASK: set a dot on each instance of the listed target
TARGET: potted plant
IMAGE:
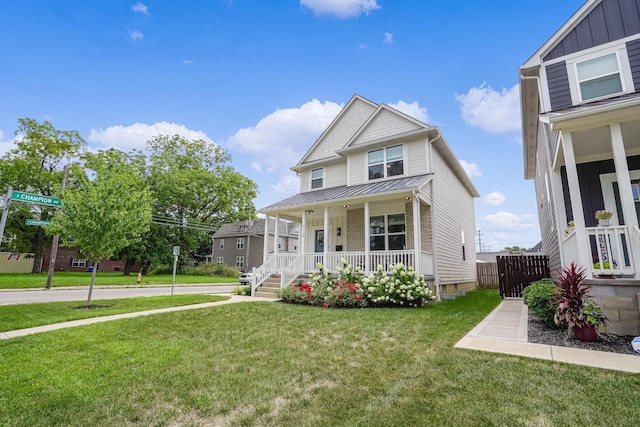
(604, 217)
(575, 308)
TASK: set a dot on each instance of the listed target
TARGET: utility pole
(479, 241)
(54, 244)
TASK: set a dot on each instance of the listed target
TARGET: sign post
(5, 211)
(176, 252)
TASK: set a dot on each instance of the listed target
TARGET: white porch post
(276, 235)
(303, 234)
(584, 248)
(417, 235)
(326, 237)
(265, 244)
(622, 176)
(367, 225)
(560, 212)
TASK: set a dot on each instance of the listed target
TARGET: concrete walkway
(82, 322)
(504, 330)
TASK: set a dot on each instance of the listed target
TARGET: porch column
(276, 235)
(367, 226)
(417, 235)
(303, 234)
(584, 248)
(326, 236)
(623, 177)
(560, 212)
(265, 244)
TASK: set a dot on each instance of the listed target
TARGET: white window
(220, 260)
(221, 244)
(387, 232)
(599, 77)
(317, 178)
(240, 261)
(78, 262)
(279, 242)
(240, 243)
(385, 162)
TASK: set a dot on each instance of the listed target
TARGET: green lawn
(271, 364)
(66, 278)
(22, 316)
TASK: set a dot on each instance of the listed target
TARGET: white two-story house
(580, 105)
(379, 187)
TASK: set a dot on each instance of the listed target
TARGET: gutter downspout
(434, 245)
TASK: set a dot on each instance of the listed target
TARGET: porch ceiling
(344, 193)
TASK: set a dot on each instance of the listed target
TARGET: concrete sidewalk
(504, 330)
(82, 322)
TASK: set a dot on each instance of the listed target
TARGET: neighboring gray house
(380, 187)
(580, 104)
(242, 243)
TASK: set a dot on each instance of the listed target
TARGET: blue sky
(263, 79)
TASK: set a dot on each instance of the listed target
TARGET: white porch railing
(613, 247)
(290, 266)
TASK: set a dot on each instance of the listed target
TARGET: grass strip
(23, 316)
(271, 364)
(68, 278)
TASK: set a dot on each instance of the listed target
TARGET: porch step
(461, 293)
(448, 296)
(270, 288)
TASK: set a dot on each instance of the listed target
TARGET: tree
(196, 191)
(105, 210)
(35, 166)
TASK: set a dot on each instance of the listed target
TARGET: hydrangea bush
(404, 287)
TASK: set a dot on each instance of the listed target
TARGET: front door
(319, 241)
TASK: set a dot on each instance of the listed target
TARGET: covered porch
(596, 167)
(368, 225)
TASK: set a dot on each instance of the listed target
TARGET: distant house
(379, 187)
(580, 100)
(242, 243)
(68, 259)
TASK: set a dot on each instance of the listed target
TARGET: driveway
(78, 294)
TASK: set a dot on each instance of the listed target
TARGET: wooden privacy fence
(487, 275)
(15, 263)
(516, 272)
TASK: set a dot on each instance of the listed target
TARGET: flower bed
(403, 287)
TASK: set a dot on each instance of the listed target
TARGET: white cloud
(388, 38)
(289, 184)
(6, 145)
(279, 140)
(490, 110)
(414, 110)
(187, 62)
(471, 169)
(135, 35)
(494, 198)
(126, 138)
(140, 8)
(507, 221)
(341, 8)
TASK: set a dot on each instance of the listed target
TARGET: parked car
(245, 278)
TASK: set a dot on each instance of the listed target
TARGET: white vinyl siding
(416, 158)
(454, 214)
(357, 168)
(336, 175)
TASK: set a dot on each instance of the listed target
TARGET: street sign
(35, 198)
(36, 222)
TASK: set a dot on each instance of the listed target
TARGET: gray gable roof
(345, 192)
(239, 229)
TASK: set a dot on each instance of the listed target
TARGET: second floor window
(221, 244)
(240, 261)
(240, 243)
(386, 162)
(317, 178)
(599, 77)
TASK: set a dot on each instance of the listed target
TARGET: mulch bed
(542, 334)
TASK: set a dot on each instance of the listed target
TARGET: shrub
(212, 269)
(345, 294)
(296, 294)
(540, 297)
(242, 290)
(404, 287)
(320, 281)
(574, 306)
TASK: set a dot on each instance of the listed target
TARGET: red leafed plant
(574, 306)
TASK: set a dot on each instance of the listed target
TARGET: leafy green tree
(196, 191)
(35, 166)
(107, 209)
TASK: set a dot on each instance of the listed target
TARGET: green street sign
(35, 198)
(37, 222)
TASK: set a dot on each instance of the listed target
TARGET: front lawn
(22, 316)
(274, 364)
(67, 278)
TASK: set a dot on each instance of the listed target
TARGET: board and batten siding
(454, 213)
(633, 52)
(559, 89)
